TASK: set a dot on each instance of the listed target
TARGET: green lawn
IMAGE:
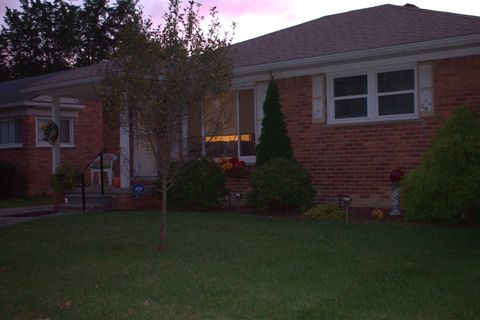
(15, 202)
(224, 266)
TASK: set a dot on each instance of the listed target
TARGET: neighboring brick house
(363, 93)
(21, 137)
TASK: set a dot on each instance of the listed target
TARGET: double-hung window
(65, 132)
(373, 95)
(10, 133)
(351, 97)
(396, 92)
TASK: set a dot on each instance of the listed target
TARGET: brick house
(21, 137)
(363, 93)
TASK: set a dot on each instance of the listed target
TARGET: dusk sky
(258, 17)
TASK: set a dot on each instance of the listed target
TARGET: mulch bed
(356, 215)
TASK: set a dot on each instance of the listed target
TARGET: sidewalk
(22, 214)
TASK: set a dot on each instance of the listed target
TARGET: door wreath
(50, 132)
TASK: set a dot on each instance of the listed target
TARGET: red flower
(396, 175)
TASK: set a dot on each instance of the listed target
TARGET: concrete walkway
(5, 220)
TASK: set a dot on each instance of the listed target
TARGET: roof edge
(463, 41)
(63, 84)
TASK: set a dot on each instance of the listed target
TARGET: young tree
(274, 141)
(161, 79)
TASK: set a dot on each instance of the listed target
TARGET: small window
(351, 108)
(350, 97)
(351, 86)
(65, 131)
(395, 81)
(396, 92)
(10, 132)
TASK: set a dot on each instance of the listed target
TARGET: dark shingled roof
(376, 27)
(10, 91)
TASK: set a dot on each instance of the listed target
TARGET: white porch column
(56, 146)
(125, 151)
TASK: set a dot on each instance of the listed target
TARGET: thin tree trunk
(163, 218)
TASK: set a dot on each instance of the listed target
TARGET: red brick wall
(357, 159)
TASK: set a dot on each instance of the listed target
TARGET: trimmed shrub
(66, 177)
(7, 172)
(199, 185)
(326, 212)
(445, 187)
(281, 185)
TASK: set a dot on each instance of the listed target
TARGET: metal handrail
(82, 176)
(104, 150)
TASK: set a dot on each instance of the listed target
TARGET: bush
(7, 172)
(199, 186)
(66, 177)
(445, 187)
(281, 185)
(327, 212)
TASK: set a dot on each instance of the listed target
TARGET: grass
(16, 202)
(225, 266)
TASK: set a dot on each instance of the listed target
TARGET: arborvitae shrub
(281, 185)
(274, 141)
(445, 187)
(199, 185)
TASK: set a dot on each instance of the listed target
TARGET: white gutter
(40, 105)
(411, 48)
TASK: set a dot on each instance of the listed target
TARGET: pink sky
(258, 17)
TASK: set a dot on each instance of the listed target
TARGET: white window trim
(45, 144)
(10, 145)
(372, 95)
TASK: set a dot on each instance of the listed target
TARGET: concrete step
(95, 189)
(93, 201)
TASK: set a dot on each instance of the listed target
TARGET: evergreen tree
(38, 38)
(274, 141)
(46, 36)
